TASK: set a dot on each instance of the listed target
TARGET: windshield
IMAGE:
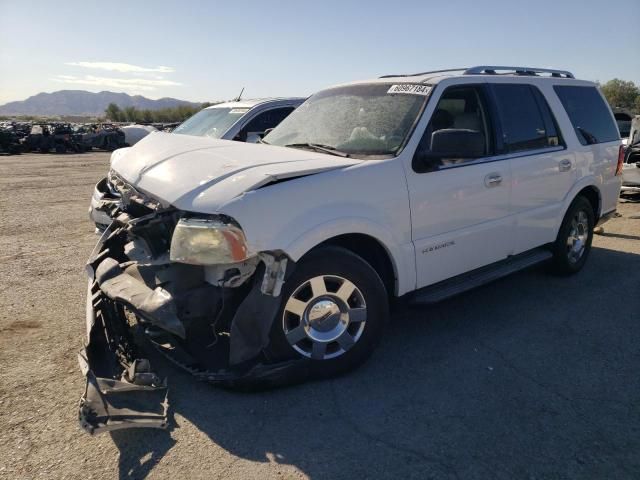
(211, 122)
(359, 120)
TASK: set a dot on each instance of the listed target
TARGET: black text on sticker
(410, 88)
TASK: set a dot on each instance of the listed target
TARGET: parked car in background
(631, 167)
(623, 120)
(244, 121)
(265, 264)
(103, 136)
(134, 133)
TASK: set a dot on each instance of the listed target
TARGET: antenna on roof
(237, 99)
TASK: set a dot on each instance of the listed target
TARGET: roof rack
(493, 70)
(425, 73)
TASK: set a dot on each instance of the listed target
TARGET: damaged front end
(213, 321)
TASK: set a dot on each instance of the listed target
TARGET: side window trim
(493, 133)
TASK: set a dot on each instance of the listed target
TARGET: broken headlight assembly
(208, 241)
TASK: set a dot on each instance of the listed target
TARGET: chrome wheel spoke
(346, 341)
(357, 315)
(318, 286)
(295, 306)
(295, 335)
(345, 291)
(582, 218)
(318, 350)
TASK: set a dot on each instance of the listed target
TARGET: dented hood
(201, 174)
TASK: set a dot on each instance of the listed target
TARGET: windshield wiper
(319, 147)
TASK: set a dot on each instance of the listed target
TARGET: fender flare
(403, 268)
(590, 181)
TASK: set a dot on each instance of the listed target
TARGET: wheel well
(372, 251)
(593, 195)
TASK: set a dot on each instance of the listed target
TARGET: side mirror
(267, 132)
(457, 143)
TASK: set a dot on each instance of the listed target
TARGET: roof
(524, 74)
(250, 103)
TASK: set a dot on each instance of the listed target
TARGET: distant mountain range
(80, 102)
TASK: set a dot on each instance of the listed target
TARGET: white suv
(258, 264)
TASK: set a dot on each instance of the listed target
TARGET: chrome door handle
(564, 165)
(492, 180)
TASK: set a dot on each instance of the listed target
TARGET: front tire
(334, 307)
(573, 244)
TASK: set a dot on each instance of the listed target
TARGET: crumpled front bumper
(124, 313)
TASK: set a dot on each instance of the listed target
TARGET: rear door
(459, 206)
(542, 169)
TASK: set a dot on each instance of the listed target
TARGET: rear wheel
(573, 244)
(333, 310)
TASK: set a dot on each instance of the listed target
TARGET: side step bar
(467, 281)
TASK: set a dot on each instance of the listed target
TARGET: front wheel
(573, 243)
(333, 311)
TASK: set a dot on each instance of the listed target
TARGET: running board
(475, 278)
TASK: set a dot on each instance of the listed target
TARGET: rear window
(589, 114)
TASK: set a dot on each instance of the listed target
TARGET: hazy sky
(199, 50)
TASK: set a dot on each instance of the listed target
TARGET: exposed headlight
(201, 241)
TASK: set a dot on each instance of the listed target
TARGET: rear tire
(573, 244)
(334, 308)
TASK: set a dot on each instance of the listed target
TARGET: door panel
(540, 183)
(459, 222)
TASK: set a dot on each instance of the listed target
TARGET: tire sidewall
(561, 260)
(343, 263)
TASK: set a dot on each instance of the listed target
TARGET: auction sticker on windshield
(410, 88)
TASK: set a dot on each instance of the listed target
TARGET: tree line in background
(163, 115)
(622, 94)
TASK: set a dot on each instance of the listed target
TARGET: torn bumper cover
(217, 334)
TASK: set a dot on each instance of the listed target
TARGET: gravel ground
(533, 376)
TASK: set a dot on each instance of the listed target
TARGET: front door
(460, 201)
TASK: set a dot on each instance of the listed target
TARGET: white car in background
(134, 133)
(631, 167)
(243, 121)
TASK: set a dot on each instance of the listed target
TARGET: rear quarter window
(589, 114)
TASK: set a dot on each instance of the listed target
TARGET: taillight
(620, 160)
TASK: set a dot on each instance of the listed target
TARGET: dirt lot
(533, 376)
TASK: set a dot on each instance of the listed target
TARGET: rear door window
(522, 119)
(589, 114)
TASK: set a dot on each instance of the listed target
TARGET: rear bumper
(126, 311)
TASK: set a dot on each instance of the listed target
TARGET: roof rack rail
(493, 70)
(426, 73)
